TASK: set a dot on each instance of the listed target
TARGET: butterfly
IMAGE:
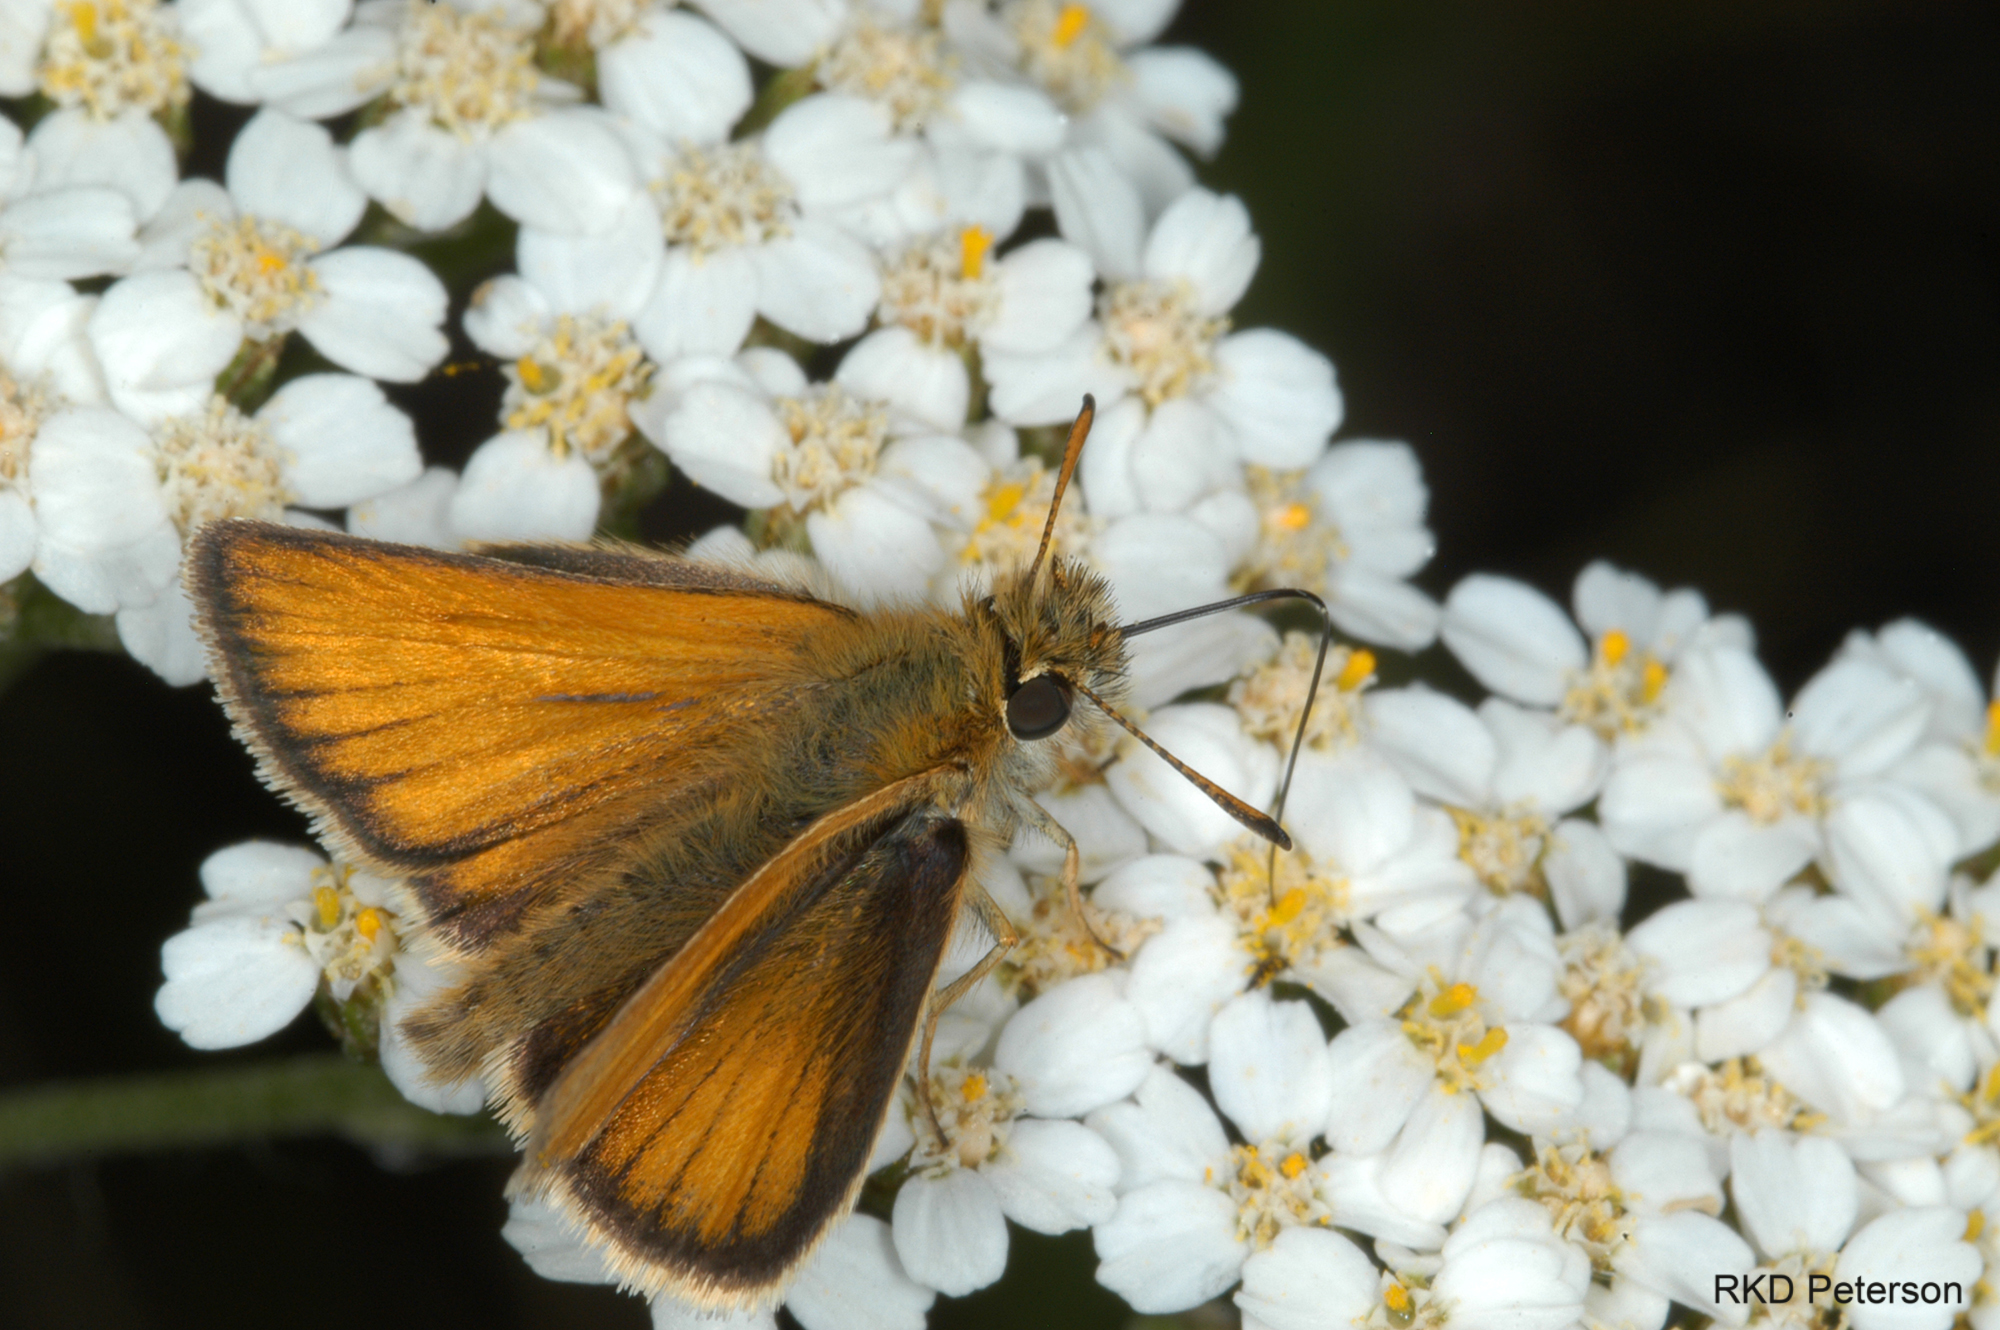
(696, 839)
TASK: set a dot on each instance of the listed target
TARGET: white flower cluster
(1438, 1083)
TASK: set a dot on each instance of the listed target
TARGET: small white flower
(824, 463)
(281, 924)
(1644, 1212)
(1126, 99)
(257, 263)
(471, 115)
(573, 369)
(1507, 776)
(1517, 642)
(1475, 1033)
(994, 1164)
(300, 56)
(1922, 1245)
(114, 499)
(1162, 335)
(1797, 1197)
(45, 365)
(1958, 763)
(1739, 793)
(1192, 1208)
(112, 68)
(746, 225)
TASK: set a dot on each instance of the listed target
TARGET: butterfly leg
(1004, 937)
(1038, 817)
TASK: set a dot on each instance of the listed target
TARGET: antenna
(1071, 451)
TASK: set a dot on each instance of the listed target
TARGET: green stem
(321, 1093)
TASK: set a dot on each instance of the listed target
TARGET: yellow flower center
(1574, 1184)
(109, 56)
(1291, 922)
(1737, 1096)
(1296, 546)
(1066, 50)
(258, 270)
(352, 942)
(470, 72)
(1272, 696)
(836, 442)
(939, 288)
(908, 70)
(723, 197)
(23, 407)
(1273, 1187)
(1603, 981)
(1056, 946)
(975, 1110)
(1505, 851)
(594, 23)
(1010, 523)
(218, 463)
(1954, 955)
(1446, 1024)
(1154, 329)
(1775, 784)
(577, 382)
(1619, 691)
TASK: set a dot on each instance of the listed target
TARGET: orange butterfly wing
(484, 726)
(722, 1121)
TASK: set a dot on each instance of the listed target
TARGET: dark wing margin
(733, 1155)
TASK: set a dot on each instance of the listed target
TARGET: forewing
(480, 725)
(766, 1056)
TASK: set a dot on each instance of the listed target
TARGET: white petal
(380, 314)
(1655, 806)
(1268, 1068)
(837, 150)
(1746, 1023)
(677, 76)
(162, 342)
(414, 514)
(1890, 850)
(1205, 240)
(855, 1282)
(925, 386)
(1166, 1130)
(505, 316)
(1185, 93)
(83, 231)
(161, 637)
(1308, 1279)
(1278, 396)
(1723, 695)
(106, 540)
(1835, 1056)
(1210, 739)
(1158, 886)
(1099, 210)
(1379, 609)
(514, 488)
(1161, 562)
(610, 272)
(701, 305)
(551, 1245)
(1436, 742)
(1435, 1159)
(1924, 1245)
(1055, 1176)
(343, 440)
(1180, 979)
(1008, 117)
(1042, 297)
(1859, 714)
(288, 170)
(1171, 1246)
(726, 438)
(785, 33)
(330, 80)
(1534, 1078)
(129, 153)
(1795, 1194)
(1378, 1080)
(1704, 951)
(1585, 875)
(1077, 1047)
(1373, 491)
(233, 980)
(1512, 638)
(1736, 858)
(817, 282)
(875, 547)
(949, 1232)
(1353, 1188)
(564, 171)
(426, 177)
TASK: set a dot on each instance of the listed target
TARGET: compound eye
(1038, 707)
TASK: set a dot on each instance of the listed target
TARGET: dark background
(1710, 290)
